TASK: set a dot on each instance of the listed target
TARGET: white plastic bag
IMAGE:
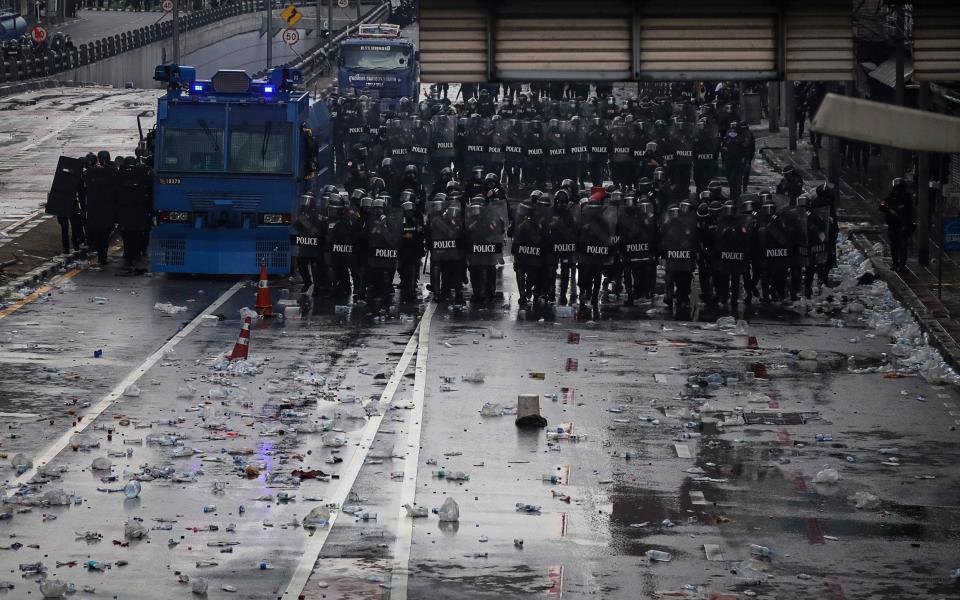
(449, 511)
(828, 476)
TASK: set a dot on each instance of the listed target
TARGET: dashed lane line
(349, 475)
(400, 573)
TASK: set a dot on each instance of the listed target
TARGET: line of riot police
(537, 143)
(93, 196)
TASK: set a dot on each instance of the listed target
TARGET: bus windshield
(192, 148)
(265, 148)
(374, 56)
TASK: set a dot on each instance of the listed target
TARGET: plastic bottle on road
(547, 477)
(659, 556)
(761, 551)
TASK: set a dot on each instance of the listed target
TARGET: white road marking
(90, 416)
(349, 475)
(401, 547)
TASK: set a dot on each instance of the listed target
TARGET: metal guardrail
(56, 62)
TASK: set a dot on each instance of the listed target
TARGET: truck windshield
(194, 149)
(375, 56)
(265, 148)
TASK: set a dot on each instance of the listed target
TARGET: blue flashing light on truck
(232, 157)
(377, 62)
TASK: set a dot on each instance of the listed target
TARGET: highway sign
(39, 34)
(291, 15)
(291, 36)
(343, 3)
(167, 5)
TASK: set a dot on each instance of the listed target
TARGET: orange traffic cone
(264, 306)
(242, 346)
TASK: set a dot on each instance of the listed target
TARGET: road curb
(939, 338)
(40, 275)
(32, 85)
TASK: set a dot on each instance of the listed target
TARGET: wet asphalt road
(728, 465)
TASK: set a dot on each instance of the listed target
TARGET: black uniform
(134, 207)
(100, 184)
(67, 201)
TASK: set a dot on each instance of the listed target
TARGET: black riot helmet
(452, 186)
(703, 209)
(685, 207)
(377, 204)
(768, 209)
(630, 200)
(644, 185)
(729, 208)
(407, 207)
(411, 173)
(366, 203)
(535, 196)
(766, 197)
(103, 157)
(441, 197)
(561, 197)
(715, 187)
(308, 203)
(659, 175)
(715, 207)
(405, 104)
(377, 185)
(567, 184)
(673, 212)
(651, 147)
(446, 174)
(748, 207)
(803, 201)
(705, 197)
(491, 180)
(90, 159)
(646, 208)
(478, 173)
(356, 196)
(407, 196)
(386, 167)
(897, 183)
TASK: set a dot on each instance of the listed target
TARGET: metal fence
(56, 62)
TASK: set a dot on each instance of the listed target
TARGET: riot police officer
(307, 243)
(598, 140)
(383, 235)
(134, 204)
(100, 185)
(66, 200)
(445, 243)
(734, 153)
(707, 234)
(483, 233)
(897, 209)
(563, 240)
(341, 248)
(596, 234)
(637, 228)
(775, 245)
(731, 256)
(411, 251)
(528, 248)
(678, 247)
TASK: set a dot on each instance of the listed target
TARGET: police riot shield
(445, 234)
(355, 126)
(475, 153)
(562, 229)
(734, 244)
(555, 144)
(796, 220)
(638, 234)
(596, 232)
(621, 143)
(576, 138)
(529, 236)
(535, 148)
(443, 131)
(598, 140)
(483, 235)
(678, 240)
(639, 136)
(775, 242)
(133, 199)
(420, 145)
(513, 146)
(399, 141)
(684, 143)
(306, 237)
(495, 139)
(67, 181)
(384, 235)
(818, 234)
(344, 229)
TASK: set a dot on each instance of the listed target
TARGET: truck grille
(276, 253)
(241, 202)
(170, 253)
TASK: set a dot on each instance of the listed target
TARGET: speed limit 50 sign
(291, 36)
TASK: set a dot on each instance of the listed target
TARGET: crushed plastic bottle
(199, 586)
(101, 464)
(133, 530)
(726, 323)
(528, 508)
(658, 556)
(760, 551)
(52, 588)
(416, 511)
